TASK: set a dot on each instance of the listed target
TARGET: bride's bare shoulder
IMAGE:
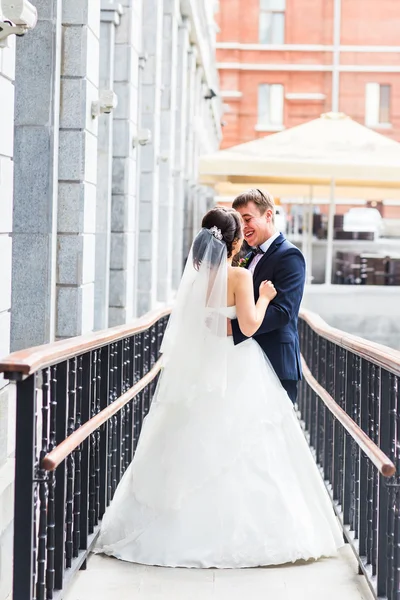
(240, 276)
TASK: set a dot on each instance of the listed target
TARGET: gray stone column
(189, 174)
(198, 123)
(110, 18)
(37, 102)
(124, 182)
(150, 155)
(78, 168)
(180, 153)
(167, 148)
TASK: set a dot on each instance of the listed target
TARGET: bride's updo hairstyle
(228, 222)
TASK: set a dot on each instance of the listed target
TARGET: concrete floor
(330, 579)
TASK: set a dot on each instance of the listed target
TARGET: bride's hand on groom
(267, 290)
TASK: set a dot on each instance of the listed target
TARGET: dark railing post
(60, 486)
(363, 493)
(25, 461)
(104, 400)
(383, 515)
(86, 396)
(347, 466)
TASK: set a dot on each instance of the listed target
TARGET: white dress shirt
(264, 247)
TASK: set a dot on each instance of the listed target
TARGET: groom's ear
(269, 213)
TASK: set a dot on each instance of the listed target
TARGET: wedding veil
(192, 385)
(194, 345)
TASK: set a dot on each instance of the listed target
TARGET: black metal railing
(346, 376)
(80, 408)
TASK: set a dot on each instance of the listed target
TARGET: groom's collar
(268, 243)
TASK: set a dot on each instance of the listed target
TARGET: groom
(277, 260)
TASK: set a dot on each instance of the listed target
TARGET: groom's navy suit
(284, 265)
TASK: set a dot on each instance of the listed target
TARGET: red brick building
(283, 62)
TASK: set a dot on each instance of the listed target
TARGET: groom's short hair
(263, 200)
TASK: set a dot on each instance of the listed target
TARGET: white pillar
(110, 18)
(180, 153)
(329, 242)
(167, 148)
(310, 236)
(123, 261)
(150, 155)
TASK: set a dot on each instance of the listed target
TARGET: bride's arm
(250, 315)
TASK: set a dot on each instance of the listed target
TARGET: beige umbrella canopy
(332, 151)
(333, 146)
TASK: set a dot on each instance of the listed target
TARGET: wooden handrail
(374, 453)
(381, 355)
(26, 362)
(64, 449)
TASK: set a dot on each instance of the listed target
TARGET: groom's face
(257, 226)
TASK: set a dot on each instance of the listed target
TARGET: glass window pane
(278, 28)
(270, 104)
(276, 104)
(272, 4)
(263, 104)
(272, 28)
(265, 28)
(384, 104)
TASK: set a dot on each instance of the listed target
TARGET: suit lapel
(274, 246)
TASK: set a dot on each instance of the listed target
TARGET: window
(272, 21)
(270, 106)
(377, 104)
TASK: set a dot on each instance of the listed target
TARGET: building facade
(283, 62)
(106, 107)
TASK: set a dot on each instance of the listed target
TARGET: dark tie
(258, 250)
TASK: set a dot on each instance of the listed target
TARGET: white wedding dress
(226, 480)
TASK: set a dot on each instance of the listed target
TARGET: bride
(222, 476)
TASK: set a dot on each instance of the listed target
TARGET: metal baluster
(340, 387)
(357, 418)
(104, 432)
(363, 503)
(348, 470)
(396, 499)
(96, 436)
(110, 491)
(70, 464)
(384, 443)
(92, 446)
(51, 540)
(376, 382)
(85, 452)
(78, 462)
(60, 396)
(41, 477)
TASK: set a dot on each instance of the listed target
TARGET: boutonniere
(243, 262)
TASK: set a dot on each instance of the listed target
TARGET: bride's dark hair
(228, 221)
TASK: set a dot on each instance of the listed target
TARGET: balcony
(80, 408)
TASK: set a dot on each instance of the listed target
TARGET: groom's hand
(229, 327)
